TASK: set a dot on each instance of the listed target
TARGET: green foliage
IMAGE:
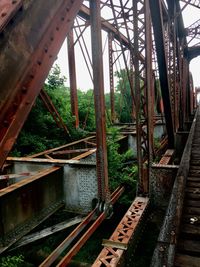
(40, 131)
(86, 110)
(54, 78)
(124, 99)
(119, 172)
(12, 261)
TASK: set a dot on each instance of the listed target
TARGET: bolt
(172, 233)
(161, 249)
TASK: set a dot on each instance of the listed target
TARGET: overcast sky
(84, 82)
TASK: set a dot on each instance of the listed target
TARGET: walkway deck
(188, 249)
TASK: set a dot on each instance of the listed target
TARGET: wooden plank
(189, 245)
(193, 190)
(193, 184)
(192, 210)
(193, 179)
(190, 195)
(186, 261)
(191, 229)
(192, 203)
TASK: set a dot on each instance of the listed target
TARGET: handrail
(165, 250)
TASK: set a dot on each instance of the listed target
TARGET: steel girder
(28, 50)
(97, 60)
(72, 77)
(112, 91)
(26, 204)
(8, 8)
(158, 26)
(144, 91)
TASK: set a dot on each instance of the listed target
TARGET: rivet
(62, 18)
(57, 28)
(14, 2)
(46, 50)
(51, 38)
(3, 14)
(161, 249)
(39, 62)
(31, 76)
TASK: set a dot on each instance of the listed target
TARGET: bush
(12, 261)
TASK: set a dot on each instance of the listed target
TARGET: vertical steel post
(172, 62)
(102, 165)
(112, 93)
(149, 87)
(72, 77)
(143, 87)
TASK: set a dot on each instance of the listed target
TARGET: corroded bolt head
(161, 248)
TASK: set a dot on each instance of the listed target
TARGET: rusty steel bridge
(147, 38)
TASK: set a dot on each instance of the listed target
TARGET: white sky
(190, 15)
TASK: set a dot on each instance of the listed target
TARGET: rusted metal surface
(30, 238)
(27, 203)
(112, 92)
(167, 157)
(52, 109)
(55, 254)
(162, 181)
(195, 3)
(166, 245)
(157, 21)
(39, 45)
(101, 154)
(72, 144)
(172, 63)
(144, 93)
(111, 255)
(189, 230)
(91, 216)
(108, 27)
(72, 77)
(8, 8)
(86, 154)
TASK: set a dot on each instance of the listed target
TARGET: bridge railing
(166, 245)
